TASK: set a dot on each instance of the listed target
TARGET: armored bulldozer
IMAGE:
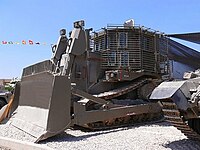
(93, 80)
(181, 103)
(4, 96)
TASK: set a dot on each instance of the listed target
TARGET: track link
(173, 115)
(123, 90)
(126, 120)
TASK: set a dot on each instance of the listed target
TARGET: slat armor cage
(133, 48)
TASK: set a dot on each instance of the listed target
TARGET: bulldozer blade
(44, 105)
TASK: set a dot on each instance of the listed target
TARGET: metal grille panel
(132, 48)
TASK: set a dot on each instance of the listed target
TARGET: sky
(41, 20)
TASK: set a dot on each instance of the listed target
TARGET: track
(173, 115)
(126, 120)
(123, 90)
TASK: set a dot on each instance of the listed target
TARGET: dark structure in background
(191, 37)
(183, 58)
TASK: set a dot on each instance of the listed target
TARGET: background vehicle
(4, 96)
(180, 99)
(181, 103)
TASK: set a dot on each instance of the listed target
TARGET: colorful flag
(17, 43)
(4, 42)
(24, 42)
(10, 42)
(30, 42)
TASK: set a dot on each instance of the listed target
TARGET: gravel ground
(4, 148)
(157, 136)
